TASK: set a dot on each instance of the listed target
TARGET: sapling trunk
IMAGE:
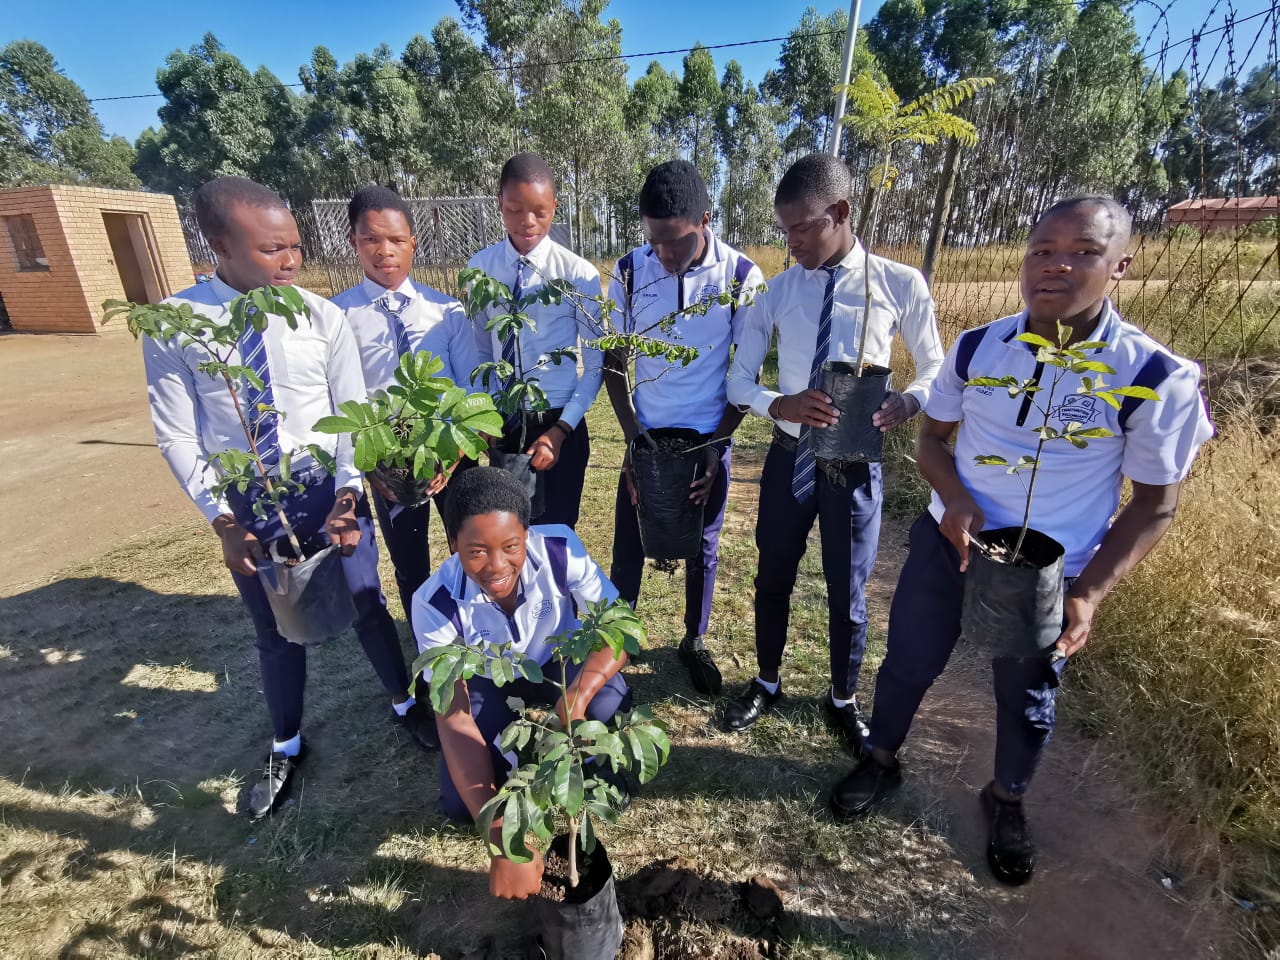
(1035, 470)
(866, 264)
(573, 851)
(262, 470)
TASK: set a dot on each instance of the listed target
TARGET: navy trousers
(562, 491)
(848, 518)
(491, 713)
(924, 625)
(627, 567)
(284, 664)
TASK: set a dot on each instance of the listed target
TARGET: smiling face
(491, 548)
(260, 247)
(385, 244)
(527, 212)
(676, 242)
(1072, 257)
(816, 233)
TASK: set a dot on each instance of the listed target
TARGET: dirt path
(79, 469)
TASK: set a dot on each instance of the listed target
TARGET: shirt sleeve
(753, 344)
(919, 326)
(944, 399)
(1162, 437)
(346, 382)
(174, 413)
(432, 626)
(463, 356)
(585, 580)
(587, 315)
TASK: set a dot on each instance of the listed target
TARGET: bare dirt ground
(149, 649)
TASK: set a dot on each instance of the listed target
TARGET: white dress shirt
(1077, 490)
(792, 306)
(433, 322)
(557, 571)
(554, 326)
(669, 394)
(312, 370)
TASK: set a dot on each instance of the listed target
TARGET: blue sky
(114, 49)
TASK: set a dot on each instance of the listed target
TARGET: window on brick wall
(27, 251)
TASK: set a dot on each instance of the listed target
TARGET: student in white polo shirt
(1074, 253)
(817, 309)
(507, 582)
(683, 263)
(526, 260)
(307, 372)
(391, 314)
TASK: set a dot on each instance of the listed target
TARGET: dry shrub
(1184, 664)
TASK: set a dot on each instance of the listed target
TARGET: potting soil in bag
(670, 523)
(855, 439)
(311, 599)
(1014, 609)
(533, 481)
(409, 491)
(586, 924)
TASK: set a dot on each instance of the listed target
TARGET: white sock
(402, 708)
(838, 702)
(290, 748)
(771, 687)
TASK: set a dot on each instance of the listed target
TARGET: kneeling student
(390, 315)
(507, 581)
(1075, 252)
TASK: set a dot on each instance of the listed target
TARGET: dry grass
(1185, 664)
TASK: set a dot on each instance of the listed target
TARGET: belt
(543, 418)
(785, 440)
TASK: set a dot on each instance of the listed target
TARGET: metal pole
(855, 8)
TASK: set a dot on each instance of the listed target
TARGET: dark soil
(555, 879)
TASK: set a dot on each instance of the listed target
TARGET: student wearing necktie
(391, 314)
(306, 372)
(817, 309)
(526, 260)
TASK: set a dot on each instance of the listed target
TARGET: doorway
(134, 252)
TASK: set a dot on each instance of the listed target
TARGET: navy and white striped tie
(509, 342)
(804, 477)
(392, 304)
(253, 354)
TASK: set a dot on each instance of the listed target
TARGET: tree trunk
(941, 206)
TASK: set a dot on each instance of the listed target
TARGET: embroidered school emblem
(709, 293)
(1077, 409)
(544, 610)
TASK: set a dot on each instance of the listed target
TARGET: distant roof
(1229, 203)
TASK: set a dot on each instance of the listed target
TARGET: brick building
(65, 249)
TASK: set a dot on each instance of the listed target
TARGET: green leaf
(513, 831)
(1141, 393)
(990, 460)
(334, 424)
(1036, 340)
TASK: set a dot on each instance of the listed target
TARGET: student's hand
(960, 521)
(545, 451)
(810, 406)
(438, 483)
(515, 881)
(897, 408)
(341, 524)
(241, 551)
(630, 477)
(1079, 615)
(381, 488)
(701, 488)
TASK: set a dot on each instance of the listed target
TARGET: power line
(495, 67)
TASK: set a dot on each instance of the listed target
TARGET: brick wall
(82, 268)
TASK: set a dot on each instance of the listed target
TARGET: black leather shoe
(749, 706)
(270, 791)
(703, 672)
(1010, 853)
(868, 784)
(849, 723)
(420, 723)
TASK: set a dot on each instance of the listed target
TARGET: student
(526, 260)
(1074, 253)
(507, 582)
(309, 371)
(391, 314)
(683, 263)
(817, 308)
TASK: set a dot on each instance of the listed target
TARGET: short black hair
(526, 168)
(1121, 219)
(814, 178)
(214, 200)
(483, 490)
(374, 197)
(674, 190)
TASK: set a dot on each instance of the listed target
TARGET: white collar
(855, 257)
(374, 290)
(537, 256)
(1104, 330)
(226, 293)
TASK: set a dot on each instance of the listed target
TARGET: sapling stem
(1035, 468)
(866, 309)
